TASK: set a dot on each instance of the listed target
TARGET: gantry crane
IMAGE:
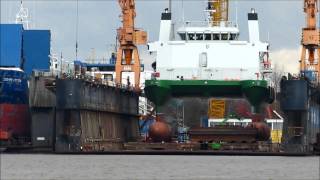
(219, 11)
(129, 37)
(310, 56)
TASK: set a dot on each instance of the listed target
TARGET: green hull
(158, 91)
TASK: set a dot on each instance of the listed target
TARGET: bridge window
(224, 36)
(191, 36)
(199, 36)
(207, 36)
(216, 37)
(183, 36)
(233, 36)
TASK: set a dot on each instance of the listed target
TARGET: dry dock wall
(42, 106)
(92, 117)
(301, 107)
(313, 123)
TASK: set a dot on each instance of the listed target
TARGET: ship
(22, 51)
(203, 71)
(14, 107)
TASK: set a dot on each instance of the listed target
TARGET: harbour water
(60, 167)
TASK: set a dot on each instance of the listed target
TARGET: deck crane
(310, 56)
(129, 37)
(218, 11)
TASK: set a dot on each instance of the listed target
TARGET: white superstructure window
(216, 37)
(199, 36)
(191, 36)
(207, 36)
(233, 37)
(224, 36)
(182, 36)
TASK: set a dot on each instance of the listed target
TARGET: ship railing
(105, 82)
(207, 23)
(92, 140)
(44, 73)
(110, 83)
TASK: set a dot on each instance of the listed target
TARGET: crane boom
(129, 37)
(310, 56)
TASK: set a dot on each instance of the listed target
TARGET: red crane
(129, 37)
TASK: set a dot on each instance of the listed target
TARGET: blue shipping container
(36, 50)
(11, 44)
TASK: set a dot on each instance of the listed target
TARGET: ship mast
(129, 37)
(311, 42)
(22, 16)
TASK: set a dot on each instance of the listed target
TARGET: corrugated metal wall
(39, 95)
(42, 106)
(43, 127)
(86, 130)
(106, 130)
(313, 122)
(92, 117)
(10, 44)
(36, 50)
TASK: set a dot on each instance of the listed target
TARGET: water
(46, 166)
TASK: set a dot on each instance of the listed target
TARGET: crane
(310, 56)
(218, 10)
(129, 37)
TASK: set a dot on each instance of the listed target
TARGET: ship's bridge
(208, 31)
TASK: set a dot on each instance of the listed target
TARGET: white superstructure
(210, 51)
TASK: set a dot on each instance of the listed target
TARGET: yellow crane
(310, 55)
(219, 10)
(129, 37)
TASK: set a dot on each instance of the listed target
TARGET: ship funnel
(253, 24)
(165, 26)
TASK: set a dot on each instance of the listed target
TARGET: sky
(280, 23)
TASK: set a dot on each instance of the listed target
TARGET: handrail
(207, 23)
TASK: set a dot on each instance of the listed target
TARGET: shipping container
(36, 50)
(11, 45)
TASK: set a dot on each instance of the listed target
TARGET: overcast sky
(280, 23)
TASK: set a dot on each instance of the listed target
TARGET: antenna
(182, 4)
(236, 4)
(22, 16)
(170, 6)
(61, 63)
(34, 14)
(77, 26)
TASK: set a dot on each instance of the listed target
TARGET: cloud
(287, 60)
(280, 23)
